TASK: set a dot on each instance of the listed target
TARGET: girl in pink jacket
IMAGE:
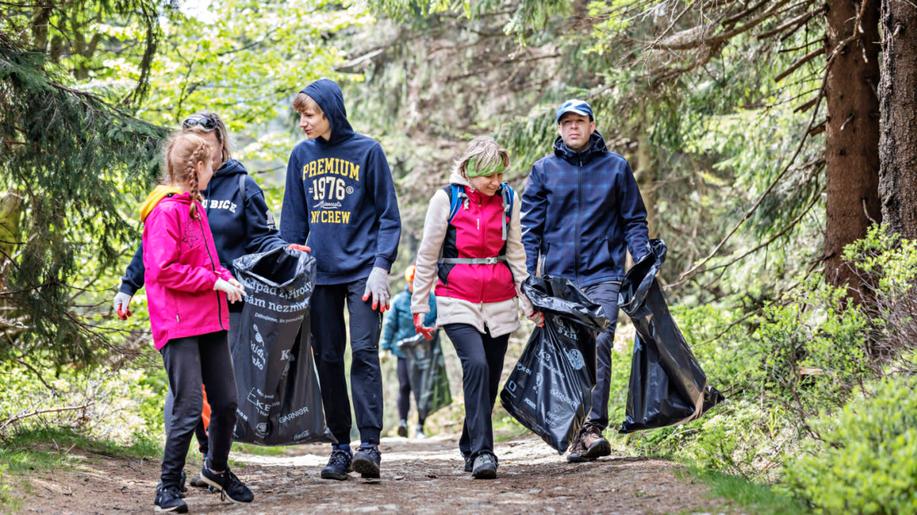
(187, 293)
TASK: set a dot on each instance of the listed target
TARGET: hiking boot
(168, 498)
(367, 461)
(576, 452)
(596, 444)
(485, 466)
(227, 484)
(338, 465)
(403, 429)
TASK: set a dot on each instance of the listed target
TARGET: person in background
(399, 325)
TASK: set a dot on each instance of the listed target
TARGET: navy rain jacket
(580, 211)
(340, 197)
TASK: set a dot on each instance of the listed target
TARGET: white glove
(122, 305)
(377, 286)
(233, 290)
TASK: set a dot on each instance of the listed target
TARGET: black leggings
(482, 363)
(190, 362)
(404, 392)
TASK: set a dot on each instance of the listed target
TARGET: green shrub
(867, 461)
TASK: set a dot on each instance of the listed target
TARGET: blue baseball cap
(574, 106)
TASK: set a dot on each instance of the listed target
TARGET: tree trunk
(852, 146)
(898, 108)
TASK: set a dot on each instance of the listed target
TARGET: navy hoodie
(580, 211)
(239, 226)
(340, 197)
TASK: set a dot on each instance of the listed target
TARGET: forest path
(422, 476)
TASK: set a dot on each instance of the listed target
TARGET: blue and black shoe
(338, 466)
(367, 461)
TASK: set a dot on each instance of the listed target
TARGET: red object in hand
(123, 314)
(301, 248)
(427, 332)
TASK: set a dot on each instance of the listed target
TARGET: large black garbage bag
(667, 385)
(427, 372)
(549, 390)
(280, 402)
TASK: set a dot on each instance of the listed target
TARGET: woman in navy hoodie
(340, 201)
(239, 220)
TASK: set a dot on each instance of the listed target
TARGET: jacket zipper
(213, 268)
(579, 202)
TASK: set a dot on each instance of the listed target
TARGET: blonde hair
(304, 101)
(219, 129)
(183, 152)
(486, 151)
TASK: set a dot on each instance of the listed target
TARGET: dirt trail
(418, 476)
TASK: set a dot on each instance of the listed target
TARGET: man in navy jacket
(340, 201)
(581, 211)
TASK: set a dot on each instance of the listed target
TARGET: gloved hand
(122, 305)
(427, 332)
(538, 318)
(232, 288)
(377, 286)
(301, 248)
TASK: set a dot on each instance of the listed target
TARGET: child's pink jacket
(181, 268)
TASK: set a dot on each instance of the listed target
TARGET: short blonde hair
(304, 101)
(486, 151)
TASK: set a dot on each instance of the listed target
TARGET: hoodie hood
(596, 146)
(230, 167)
(155, 197)
(328, 95)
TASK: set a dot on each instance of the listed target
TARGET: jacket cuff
(383, 263)
(127, 289)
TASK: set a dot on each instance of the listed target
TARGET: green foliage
(754, 497)
(866, 460)
(883, 254)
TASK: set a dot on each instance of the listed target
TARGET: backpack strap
(242, 178)
(457, 195)
(508, 198)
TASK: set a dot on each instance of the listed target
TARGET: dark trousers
(190, 362)
(199, 431)
(482, 363)
(330, 332)
(404, 391)
(606, 295)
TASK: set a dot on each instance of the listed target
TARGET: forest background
(774, 141)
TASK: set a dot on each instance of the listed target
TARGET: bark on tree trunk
(852, 146)
(898, 108)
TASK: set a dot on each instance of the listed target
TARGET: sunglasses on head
(199, 120)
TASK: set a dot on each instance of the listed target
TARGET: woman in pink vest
(472, 250)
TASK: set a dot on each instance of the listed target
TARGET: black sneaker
(197, 482)
(168, 498)
(485, 466)
(367, 461)
(338, 465)
(229, 486)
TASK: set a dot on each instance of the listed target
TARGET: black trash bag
(427, 373)
(667, 385)
(280, 402)
(549, 390)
